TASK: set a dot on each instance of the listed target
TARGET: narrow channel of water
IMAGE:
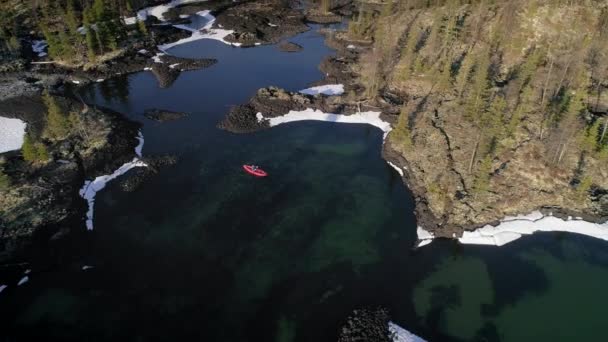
(203, 251)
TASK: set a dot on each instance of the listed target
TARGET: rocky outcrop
(290, 47)
(167, 68)
(273, 102)
(162, 115)
(42, 198)
(366, 325)
(264, 21)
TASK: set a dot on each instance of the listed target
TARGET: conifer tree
(5, 181)
(28, 149)
(57, 125)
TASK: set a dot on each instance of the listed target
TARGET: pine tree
(42, 153)
(28, 149)
(141, 26)
(464, 72)
(57, 124)
(590, 137)
(481, 181)
(5, 181)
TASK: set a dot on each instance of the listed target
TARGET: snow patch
(399, 334)
(75, 82)
(157, 59)
(172, 66)
(91, 188)
(512, 228)
(12, 132)
(351, 46)
(424, 237)
(130, 20)
(159, 10)
(206, 32)
(38, 46)
(371, 118)
(143, 52)
(23, 280)
(328, 89)
(2, 287)
(86, 267)
(397, 168)
(27, 271)
(260, 117)
(99, 80)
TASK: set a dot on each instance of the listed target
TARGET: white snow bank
(328, 89)
(12, 132)
(351, 47)
(157, 59)
(86, 267)
(23, 280)
(401, 335)
(2, 287)
(159, 10)
(371, 118)
(424, 237)
(38, 46)
(512, 228)
(75, 82)
(397, 168)
(130, 20)
(206, 32)
(91, 188)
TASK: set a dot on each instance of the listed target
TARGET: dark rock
(140, 175)
(290, 47)
(366, 325)
(162, 115)
(169, 68)
(263, 21)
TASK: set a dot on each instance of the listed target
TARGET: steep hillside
(503, 104)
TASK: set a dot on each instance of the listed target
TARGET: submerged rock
(366, 325)
(290, 47)
(162, 115)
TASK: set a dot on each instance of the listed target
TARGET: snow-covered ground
(370, 118)
(91, 188)
(397, 168)
(38, 46)
(205, 32)
(512, 228)
(12, 132)
(328, 89)
(2, 287)
(401, 335)
(23, 280)
(159, 10)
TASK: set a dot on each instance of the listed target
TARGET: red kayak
(254, 170)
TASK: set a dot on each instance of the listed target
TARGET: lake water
(204, 252)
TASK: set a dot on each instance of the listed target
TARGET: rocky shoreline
(273, 102)
(43, 199)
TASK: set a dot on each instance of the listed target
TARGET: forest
(500, 98)
(75, 30)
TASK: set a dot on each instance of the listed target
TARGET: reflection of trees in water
(115, 89)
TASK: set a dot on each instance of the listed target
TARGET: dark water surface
(204, 252)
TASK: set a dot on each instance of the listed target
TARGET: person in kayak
(254, 167)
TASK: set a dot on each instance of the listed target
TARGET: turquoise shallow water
(205, 252)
